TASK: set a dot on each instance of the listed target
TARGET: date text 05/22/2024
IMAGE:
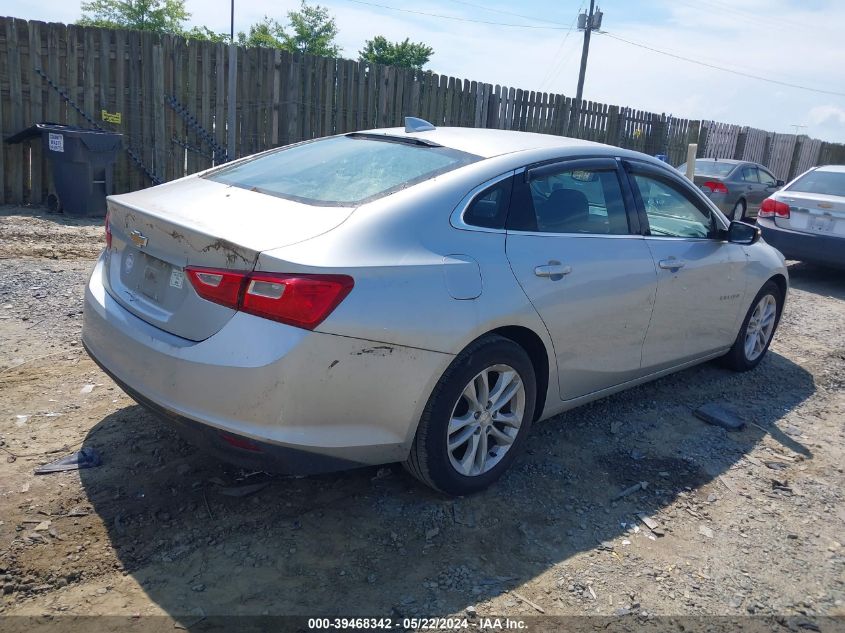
(417, 624)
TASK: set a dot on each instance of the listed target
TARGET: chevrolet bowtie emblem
(138, 239)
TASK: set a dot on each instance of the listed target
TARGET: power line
(457, 19)
(756, 19)
(516, 15)
(722, 68)
(554, 71)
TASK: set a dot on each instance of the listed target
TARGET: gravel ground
(747, 522)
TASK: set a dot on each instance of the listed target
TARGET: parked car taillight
(300, 300)
(108, 231)
(714, 186)
(771, 208)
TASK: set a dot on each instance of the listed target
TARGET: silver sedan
(418, 295)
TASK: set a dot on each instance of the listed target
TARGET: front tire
(477, 418)
(758, 329)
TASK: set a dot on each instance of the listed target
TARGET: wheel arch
(533, 345)
(780, 281)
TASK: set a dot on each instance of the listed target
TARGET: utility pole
(585, 23)
(231, 123)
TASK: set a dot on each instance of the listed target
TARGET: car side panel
(397, 251)
(599, 312)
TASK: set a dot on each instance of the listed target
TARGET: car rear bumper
(308, 401)
(821, 249)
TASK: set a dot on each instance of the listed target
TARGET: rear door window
(342, 170)
(579, 200)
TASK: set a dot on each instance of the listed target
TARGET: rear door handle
(671, 263)
(553, 270)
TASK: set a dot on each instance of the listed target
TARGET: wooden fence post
(697, 135)
(36, 163)
(15, 154)
(493, 107)
(159, 141)
(767, 151)
(613, 125)
(741, 140)
(796, 157)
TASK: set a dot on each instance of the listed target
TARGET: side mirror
(743, 233)
(779, 183)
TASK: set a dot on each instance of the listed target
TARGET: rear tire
(738, 213)
(757, 331)
(460, 447)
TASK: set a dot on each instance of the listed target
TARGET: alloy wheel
(486, 420)
(760, 327)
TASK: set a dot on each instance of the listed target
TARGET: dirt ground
(747, 522)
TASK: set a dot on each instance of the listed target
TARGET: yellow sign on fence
(108, 117)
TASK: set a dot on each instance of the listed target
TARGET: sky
(797, 42)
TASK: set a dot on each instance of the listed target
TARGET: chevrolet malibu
(417, 295)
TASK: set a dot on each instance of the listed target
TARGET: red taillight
(217, 285)
(714, 186)
(300, 300)
(771, 208)
(108, 231)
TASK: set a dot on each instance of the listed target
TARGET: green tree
(313, 31)
(161, 16)
(310, 30)
(409, 54)
(205, 33)
(268, 33)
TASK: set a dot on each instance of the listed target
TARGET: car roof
(835, 168)
(488, 143)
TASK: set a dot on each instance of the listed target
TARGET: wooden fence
(168, 97)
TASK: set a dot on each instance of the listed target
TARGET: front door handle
(553, 270)
(671, 263)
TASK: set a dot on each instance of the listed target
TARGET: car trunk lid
(157, 232)
(814, 213)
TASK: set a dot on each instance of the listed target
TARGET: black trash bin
(83, 165)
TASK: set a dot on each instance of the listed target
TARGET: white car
(806, 219)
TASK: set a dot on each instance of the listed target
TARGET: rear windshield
(709, 168)
(341, 170)
(831, 183)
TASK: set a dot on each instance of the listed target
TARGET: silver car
(418, 295)
(737, 187)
